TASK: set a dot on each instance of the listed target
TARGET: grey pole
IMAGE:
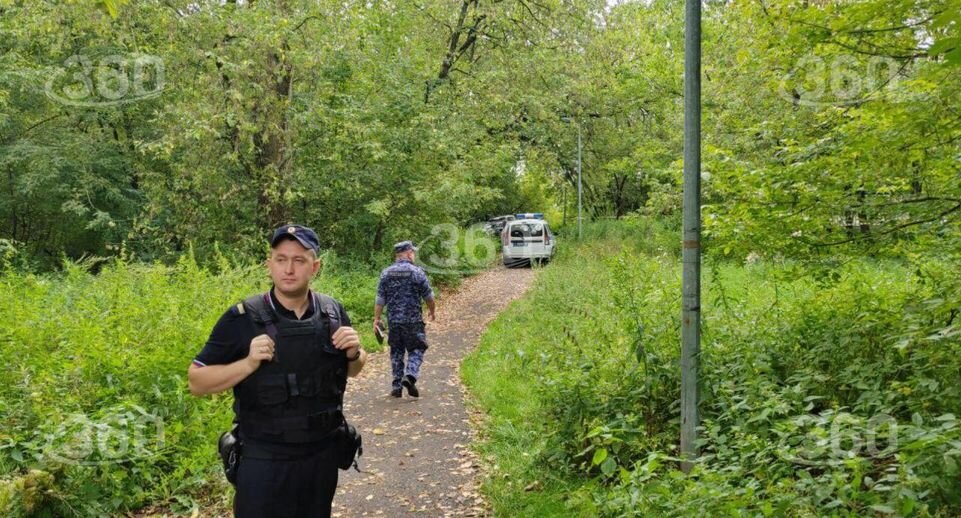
(578, 180)
(564, 203)
(691, 240)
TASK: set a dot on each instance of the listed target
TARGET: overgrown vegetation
(141, 133)
(827, 394)
(176, 123)
(95, 417)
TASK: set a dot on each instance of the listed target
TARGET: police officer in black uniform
(287, 355)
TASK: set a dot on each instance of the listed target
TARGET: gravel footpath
(417, 460)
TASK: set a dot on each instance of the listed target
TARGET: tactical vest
(297, 397)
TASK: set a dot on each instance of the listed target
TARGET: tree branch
(893, 229)
(857, 50)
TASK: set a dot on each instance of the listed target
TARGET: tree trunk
(272, 167)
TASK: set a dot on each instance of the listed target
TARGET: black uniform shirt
(230, 341)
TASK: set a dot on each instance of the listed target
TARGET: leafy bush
(95, 416)
(826, 394)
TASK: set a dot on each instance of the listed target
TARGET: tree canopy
(149, 126)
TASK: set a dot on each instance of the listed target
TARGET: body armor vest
(297, 397)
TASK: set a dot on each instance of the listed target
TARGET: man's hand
(430, 313)
(211, 379)
(261, 349)
(346, 339)
(377, 325)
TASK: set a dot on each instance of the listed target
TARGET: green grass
(502, 390)
(580, 381)
(503, 378)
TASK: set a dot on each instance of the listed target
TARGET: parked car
(495, 225)
(524, 241)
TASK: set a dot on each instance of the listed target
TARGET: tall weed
(824, 392)
(95, 416)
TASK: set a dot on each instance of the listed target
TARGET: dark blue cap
(304, 235)
(404, 246)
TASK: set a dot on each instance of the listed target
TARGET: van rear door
(526, 239)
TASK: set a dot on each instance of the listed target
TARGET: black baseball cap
(304, 235)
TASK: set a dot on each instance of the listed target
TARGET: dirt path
(416, 459)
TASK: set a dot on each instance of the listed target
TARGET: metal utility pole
(566, 118)
(691, 240)
(564, 203)
(578, 180)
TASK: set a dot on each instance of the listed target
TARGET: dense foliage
(95, 417)
(151, 125)
(168, 136)
(821, 396)
(195, 123)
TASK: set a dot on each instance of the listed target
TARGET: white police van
(527, 239)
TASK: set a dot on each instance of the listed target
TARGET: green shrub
(95, 416)
(825, 391)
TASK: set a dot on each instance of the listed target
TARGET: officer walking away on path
(401, 288)
(287, 355)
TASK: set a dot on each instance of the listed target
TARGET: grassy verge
(827, 389)
(508, 375)
(513, 439)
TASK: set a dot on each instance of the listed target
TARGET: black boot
(409, 382)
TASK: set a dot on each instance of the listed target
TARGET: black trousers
(285, 488)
